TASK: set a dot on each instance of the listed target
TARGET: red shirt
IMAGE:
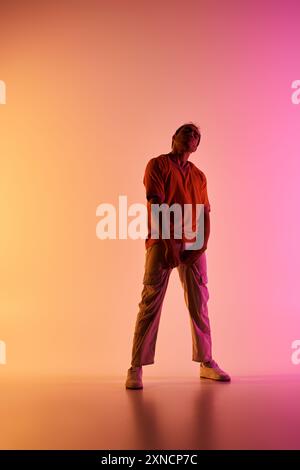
(169, 182)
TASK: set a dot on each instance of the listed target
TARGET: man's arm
(172, 247)
(206, 211)
(191, 256)
(155, 194)
(206, 227)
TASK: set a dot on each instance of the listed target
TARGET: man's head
(186, 138)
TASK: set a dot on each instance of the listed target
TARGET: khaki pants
(194, 282)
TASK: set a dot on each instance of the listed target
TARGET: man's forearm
(155, 200)
(155, 225)
(172, 247)
(206, 227)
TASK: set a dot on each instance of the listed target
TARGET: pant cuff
(142, 364)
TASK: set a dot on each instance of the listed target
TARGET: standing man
(171, 178)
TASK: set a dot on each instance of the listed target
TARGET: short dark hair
(184, 125)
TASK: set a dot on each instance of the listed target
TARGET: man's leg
(194, 281)
(156, 278)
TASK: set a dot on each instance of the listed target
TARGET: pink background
(94, 90)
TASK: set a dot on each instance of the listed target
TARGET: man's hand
(189, 257)
(173, 250)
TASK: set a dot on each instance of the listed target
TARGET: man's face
(187, 139)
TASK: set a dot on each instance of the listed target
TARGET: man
(169, 179)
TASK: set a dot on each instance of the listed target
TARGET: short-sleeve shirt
(169, 182)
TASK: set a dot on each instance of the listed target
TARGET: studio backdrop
(90, 91)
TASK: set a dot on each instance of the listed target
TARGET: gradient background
(94, 90)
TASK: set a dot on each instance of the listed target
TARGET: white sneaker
(211, 370)
(134, 378)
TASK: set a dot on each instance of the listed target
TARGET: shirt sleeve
(153, 181)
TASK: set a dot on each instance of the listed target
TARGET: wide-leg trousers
(156, 277)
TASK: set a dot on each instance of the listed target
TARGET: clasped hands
(175, 253)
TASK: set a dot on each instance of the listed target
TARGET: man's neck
(180, 157)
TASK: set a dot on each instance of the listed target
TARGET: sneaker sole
(212, 378)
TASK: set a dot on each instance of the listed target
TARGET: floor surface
(169, 413)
